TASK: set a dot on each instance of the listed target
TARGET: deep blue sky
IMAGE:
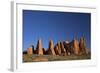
(58, 26)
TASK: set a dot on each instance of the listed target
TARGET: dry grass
(43, 58)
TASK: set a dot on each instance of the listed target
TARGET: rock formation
(68, 47)
(56, 50)
(39, 49)
(44, 51)
(63, 50)
(59, 48)
(50, 50)
(33, 49)
(76, 48)
(30, 51)
(82, 45)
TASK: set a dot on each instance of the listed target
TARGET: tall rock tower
(82, 45)
(59, 48)
(39, 49)
(76, 47)
(56, 50)
(51, 48)
(63, 50)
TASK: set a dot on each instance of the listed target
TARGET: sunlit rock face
(39, 49)
(50, 50)
(82, 45)
(63, 50)
(76, 48)
(30, 51)
(59, 48)
(56, 50)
